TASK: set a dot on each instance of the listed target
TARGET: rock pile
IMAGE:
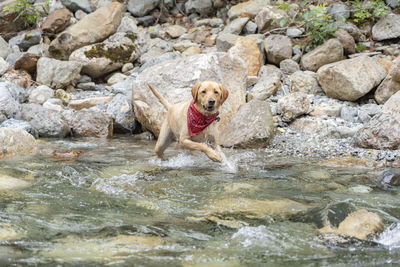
(84, 71)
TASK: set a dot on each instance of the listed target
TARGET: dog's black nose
(211, 102)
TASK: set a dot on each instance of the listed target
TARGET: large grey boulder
(251, 8)
(11, 95)
(56, 73)
(251, 127)
(390, 85)
(121, 110)
(383, 130)
(26, 39)
(269, 82)
(102, 58)
(277, 48)
(140, 8)
(174, 80)
(16, 142)
(89, 123)
(387, 27)
(329, 52)
(93, 28)
(350, 79)
(48, 123)
(293, 105)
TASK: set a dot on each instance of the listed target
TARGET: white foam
(116, 185)
(390, 237)
(179, 161)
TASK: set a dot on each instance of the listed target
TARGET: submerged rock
(7, 231)
(15, 142)
(8, 183)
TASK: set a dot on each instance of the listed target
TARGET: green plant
(28, 12)
(368, 12)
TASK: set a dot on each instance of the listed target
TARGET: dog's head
(208, 96)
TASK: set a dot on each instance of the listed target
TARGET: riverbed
(90, 202)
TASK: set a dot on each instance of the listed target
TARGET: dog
(192, 123)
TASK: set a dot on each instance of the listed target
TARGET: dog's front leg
(211, 153)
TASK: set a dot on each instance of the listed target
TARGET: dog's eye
(216, 92)
(203, 92)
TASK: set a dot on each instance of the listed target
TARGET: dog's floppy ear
(195, 90)
(224, 93)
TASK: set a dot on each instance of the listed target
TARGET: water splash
(179, 161)
(228, 164)
(116, 185)
(390, 237)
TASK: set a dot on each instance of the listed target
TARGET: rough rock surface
(93, 28)
(269, 82)
(56, 21)
(56, 73)
(293, 105)
(89, 123)
(390, 85)
(15, 142)
(174, 80)
(277, 47)
(350, 79)
(250, 127)
(386, 28)
(329, 52)
(247, 49)
(251, 7)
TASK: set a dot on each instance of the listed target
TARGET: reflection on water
(115, 204)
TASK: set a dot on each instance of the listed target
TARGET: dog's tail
(160, 97)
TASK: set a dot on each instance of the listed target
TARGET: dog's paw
(214, 156)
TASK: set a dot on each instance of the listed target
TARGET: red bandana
(197, 122)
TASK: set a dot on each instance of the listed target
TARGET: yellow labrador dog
(191, 122)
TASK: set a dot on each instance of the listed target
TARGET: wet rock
(93, 28)
(251, 8)
(329, 52)
(102, 58)
(386, 28)
(247, 49)
(390, 178)
(268, 18)
(26, 39)
(56, 73)
(79, 104)
(18, 124)
(343, 80)
(269, 82)
(40, 94)
(383, 130)
(7, 231)
(75, 5)
(89, 123)
(16, 142)
(225, 41)
(338, 10)
(140, 8)
(360, 189)
(174, 80)
(306, 82)
(56, 21)
(28, 62)
(251, 127)
(100, 250)
(237, 188)
(47, 123)
(293, 105)
(277, 48)
(289, 66)
(5, 49)
(120, 109)
(227, 211)
(359, 224)
(236, 26)
(390, 85)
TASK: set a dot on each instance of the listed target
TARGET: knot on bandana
(197, 122)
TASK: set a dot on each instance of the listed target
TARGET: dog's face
(208, 96)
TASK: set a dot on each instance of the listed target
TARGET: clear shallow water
(117, 205)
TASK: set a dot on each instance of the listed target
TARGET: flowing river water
(117, 205)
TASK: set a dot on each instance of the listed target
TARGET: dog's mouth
(208, 108)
